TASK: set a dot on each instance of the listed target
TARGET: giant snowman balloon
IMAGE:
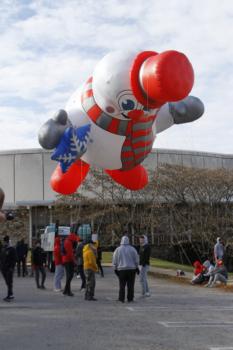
(111, 122)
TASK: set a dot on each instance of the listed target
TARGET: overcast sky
(48, 48)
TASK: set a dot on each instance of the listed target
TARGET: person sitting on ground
(199, 270)
(218, 274)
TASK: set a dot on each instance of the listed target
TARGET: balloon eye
(128, 105)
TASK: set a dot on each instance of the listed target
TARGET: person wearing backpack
(59, 268)
(69, 261)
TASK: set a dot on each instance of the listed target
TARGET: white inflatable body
(111, 87)
(130, 97)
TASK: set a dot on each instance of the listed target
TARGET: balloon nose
(167, 76)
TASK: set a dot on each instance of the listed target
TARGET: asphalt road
(175, 317)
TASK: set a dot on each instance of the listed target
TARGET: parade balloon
(111, 121)
(4, 216)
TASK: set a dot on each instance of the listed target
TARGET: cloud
(48, 49)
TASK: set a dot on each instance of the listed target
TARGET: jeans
(143, 279)
(69, 267)
(59, 273)
(8, 277)
(126, 278)
(217, 277)
(38, 270)
(90, 284)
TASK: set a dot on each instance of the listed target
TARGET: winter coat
(38, 256)
(125, 257)
(8, 258)
(198, 268)
(21, 250)
(89, 258)
(57, 251)
(144, 253)
(69, 246)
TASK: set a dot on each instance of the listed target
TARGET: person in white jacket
(125, 262)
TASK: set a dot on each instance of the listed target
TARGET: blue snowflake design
(72, 146)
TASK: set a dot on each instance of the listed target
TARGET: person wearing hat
(8, 261)
(218, 250)
(90, 268)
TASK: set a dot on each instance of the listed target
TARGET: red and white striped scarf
(139, 137)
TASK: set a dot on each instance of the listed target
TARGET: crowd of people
(211, 271)
(71, 255)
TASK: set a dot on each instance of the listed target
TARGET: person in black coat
(39, 260)
(79, 258)
(8, 261)
(21, 251)
(144, 262)
(98, 260)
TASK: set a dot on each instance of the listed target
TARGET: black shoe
(92, 299)
(70, 294)
(122, 301)
(11, 297)
(7, 299)
(130, 301)
(42, 287)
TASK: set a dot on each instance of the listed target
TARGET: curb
(185, 280)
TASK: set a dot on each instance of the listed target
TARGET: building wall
(25, 174)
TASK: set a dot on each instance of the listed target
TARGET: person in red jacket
(59, 268)
(198, 272)
(68, 259)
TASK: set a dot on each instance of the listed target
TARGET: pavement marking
(222, 348)
(180, 324)
(130, 308)
(146, 306)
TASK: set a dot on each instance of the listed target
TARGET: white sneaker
(147, 294)
(57, 290)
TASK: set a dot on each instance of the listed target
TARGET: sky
(49, 48)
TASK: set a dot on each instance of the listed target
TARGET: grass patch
(164, 264)
(107, 259)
